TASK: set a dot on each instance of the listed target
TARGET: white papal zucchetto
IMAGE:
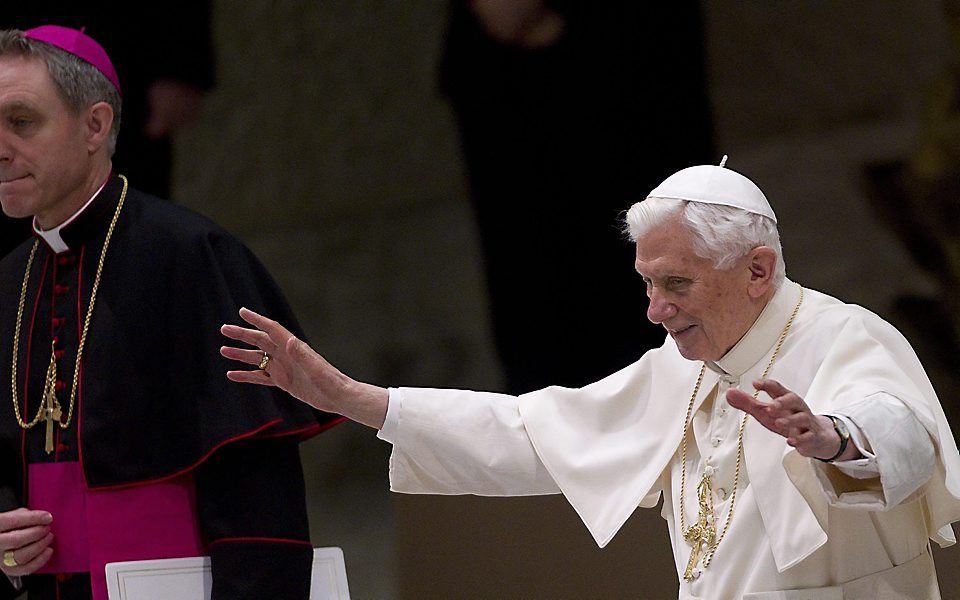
(712, 184)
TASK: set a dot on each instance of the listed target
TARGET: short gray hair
(80, 84)
(722, 234)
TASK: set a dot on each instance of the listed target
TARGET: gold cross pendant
(693, 536)
(703, 534)
(52, 415)
(52, 412)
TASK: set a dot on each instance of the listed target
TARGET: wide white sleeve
(461, 442)
(902, 454)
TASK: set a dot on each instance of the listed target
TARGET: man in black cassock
(119, 437)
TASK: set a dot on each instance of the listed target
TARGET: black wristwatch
(841, 428)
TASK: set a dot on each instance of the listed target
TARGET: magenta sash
(94, 527)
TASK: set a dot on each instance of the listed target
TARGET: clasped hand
(789, 416)
(25, 533)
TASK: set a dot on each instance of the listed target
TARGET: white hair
(722, 234)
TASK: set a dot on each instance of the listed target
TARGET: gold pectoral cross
(51, 411)
(702, 535)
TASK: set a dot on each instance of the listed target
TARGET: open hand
(788, 415)
(25, 533)
(293, 366)
(297, 369)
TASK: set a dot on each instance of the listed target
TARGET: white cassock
(856, 530)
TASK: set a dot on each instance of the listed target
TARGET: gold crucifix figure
(702, 535)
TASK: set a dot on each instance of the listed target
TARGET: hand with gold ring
(298, 370)
(25, 540)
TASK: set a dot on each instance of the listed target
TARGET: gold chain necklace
(50, 408)
(703, 534)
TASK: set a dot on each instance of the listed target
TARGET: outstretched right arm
(445, 441)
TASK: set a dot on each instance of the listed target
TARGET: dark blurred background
(436, 186)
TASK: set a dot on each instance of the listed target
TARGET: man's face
(43, 153)
(704, 310)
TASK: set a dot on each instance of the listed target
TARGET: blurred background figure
(565, 110)
(918, 199)
(165, 62)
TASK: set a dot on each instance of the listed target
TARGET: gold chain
(83, 336)
(708, 555)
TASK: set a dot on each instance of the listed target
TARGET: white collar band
(52, 237)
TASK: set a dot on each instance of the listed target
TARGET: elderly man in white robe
(799, 447)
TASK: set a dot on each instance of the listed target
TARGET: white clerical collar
(761, 337)
(52, 237)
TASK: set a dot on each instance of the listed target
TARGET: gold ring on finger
(264, 362)
(9, 560)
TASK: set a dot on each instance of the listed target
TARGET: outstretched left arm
(899, 449)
